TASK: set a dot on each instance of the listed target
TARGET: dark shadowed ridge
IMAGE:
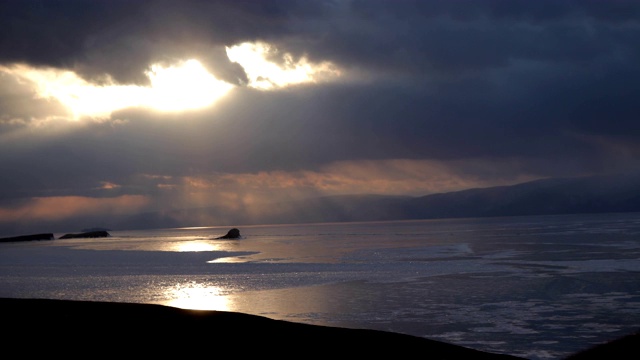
(63, 327)
(586, 195)
(626, 347)
(31, 237)
(85, 328)
(89, 234)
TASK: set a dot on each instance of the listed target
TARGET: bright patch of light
(197, 297)
(80, 96)
(195, 246)
(265, 74)
(183, 86)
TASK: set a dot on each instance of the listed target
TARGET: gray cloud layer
(551, 85)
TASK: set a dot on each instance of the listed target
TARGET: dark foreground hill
(52, 328)
(41, 327)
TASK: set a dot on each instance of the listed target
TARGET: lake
(540, 287)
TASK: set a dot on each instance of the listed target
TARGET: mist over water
(538, 287)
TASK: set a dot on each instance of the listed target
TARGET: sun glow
(265, 74)
(179, 86)
(186, 86)
(183, 86)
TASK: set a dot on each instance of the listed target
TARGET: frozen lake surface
(537, 287)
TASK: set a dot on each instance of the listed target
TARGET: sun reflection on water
(196, 296)
(195, 246)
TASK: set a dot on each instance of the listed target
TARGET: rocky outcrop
(44, 236)
(89, 234)
(231, 234)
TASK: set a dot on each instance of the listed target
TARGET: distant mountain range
(598, 194)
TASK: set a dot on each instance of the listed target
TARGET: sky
(113, 108)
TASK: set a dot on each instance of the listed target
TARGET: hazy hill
(598, 194)
(620, 193)
(601, 194)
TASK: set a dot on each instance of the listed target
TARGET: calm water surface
(538, 287)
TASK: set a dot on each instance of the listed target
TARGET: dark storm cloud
(455, 36)
(122, 38)
(552, 84)
(443, 38)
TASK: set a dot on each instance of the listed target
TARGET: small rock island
(89, 234)
(31, 237)
(231, 234)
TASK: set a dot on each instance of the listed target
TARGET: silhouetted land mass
(626, 347)
(49, 236)
(32, 237)
(71, 328)
(588, 195)
(90, 234)
(231, 234)
(116, 329)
